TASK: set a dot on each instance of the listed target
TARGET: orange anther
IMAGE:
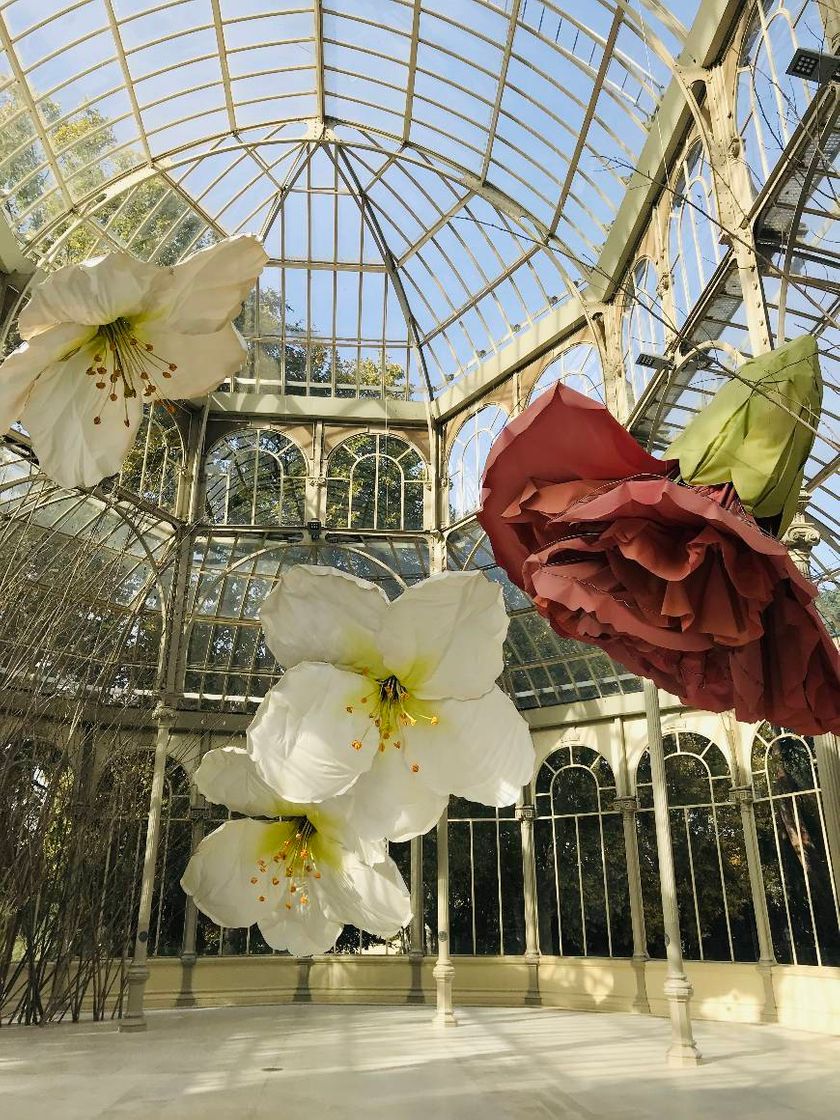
(415, 769)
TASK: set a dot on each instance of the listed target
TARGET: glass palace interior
(463, 204)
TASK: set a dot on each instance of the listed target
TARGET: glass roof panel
(462, 149)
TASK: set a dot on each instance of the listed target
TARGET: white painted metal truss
(430, 178)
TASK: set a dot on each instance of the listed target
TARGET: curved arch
(467, 456)
(255, 475)
(642, 328)
(693, 245)
(582, 895)
(579, 367)
(375, 481)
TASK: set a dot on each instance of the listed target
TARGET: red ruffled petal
(675, 582)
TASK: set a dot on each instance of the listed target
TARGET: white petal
(444, 636)
(304, 930)
(480, 749)
(207, 290)
(20, 370)
(94, 293)
(202, 361)
(338, 820)
(321, 614)
(372, 898)
(302, 736)
(218, 876)
(72, 449)
(229, 776)
(390, 801)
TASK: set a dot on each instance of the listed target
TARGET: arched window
(801, 896)
(153, 466)
(375, 482)
(642, 326)
(770, 102)
(713, 887)
(579, 367)
(582, 898)
(486, 900)
(255, 477)
(467, 458)
(694, 233)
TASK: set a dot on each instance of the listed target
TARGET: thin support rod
(444, 970)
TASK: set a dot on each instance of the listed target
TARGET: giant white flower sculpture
(394, 701)
(104, 336)
(298, 877)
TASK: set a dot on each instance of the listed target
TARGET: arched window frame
(769, 102)
(693, 236)
(642, 326)
(579, 367)
(561, 890)
(236, 473)
(467, 457)
(782, 838)
(693, 815)
(344, 508)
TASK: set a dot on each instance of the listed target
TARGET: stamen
(124, 364)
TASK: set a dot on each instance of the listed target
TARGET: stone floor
(331, 1063)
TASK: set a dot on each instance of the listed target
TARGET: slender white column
(444, 970)
(526, 814)
(743, 798)
(828, 771)
(683, 1049)
(629, 807)
(138, 972)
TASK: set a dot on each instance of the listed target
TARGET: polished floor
(372, 1063)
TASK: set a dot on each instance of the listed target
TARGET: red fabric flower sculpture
(677, 582)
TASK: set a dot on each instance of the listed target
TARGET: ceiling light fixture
(814, 66)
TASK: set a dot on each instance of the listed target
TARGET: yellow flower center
(392, 712)
(291, 866)
(122, 364)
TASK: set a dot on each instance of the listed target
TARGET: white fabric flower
(394, 701)
(298, 877)
(104, 335)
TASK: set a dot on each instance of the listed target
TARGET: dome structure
(462, 204)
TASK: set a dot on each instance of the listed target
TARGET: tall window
(487, 908)
(255, 477)
(713, 887)
(579, 367)
(375, 482)
(642, 326)
(582, 898)
(694, 233)
(801, 896)
(770, 102)
(152, 467)
(467, 458)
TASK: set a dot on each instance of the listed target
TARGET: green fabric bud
(752, 434)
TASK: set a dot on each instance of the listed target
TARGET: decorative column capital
(627, 806)
(526, 813)
(165, 716)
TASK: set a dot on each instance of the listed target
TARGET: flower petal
(480, 749)
(218, 877)
(202, 361)
(229, 776)
(93, 293)
(389, 801)
(207, 289)
(322, 614)
(304, 930)
(372, 898)
(336, 820)
(22, 367)
(72, 449)
(302, 735)
(444, 636)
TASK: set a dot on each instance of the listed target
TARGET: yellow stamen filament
(388, 711)
(123, 364)
(299, 864)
